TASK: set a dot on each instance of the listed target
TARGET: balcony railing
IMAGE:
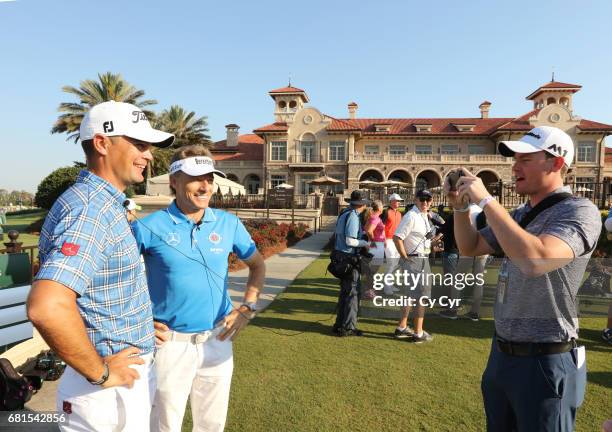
(411, 157)
(306, 158)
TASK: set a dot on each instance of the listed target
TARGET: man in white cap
(536, 374)
(391, 218)
(90, 300)
(185, 249)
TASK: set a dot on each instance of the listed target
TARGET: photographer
(413, 240)
(347, 245)
(535, 376)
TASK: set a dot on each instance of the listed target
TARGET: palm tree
(109, 86)
(186, 127)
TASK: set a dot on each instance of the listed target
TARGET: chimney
(352, 109)
(484, 109)
(232, 135)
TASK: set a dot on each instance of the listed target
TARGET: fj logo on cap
(108, 126)
(557, 149)
(138, 115)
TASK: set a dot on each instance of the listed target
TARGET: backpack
(15, 389)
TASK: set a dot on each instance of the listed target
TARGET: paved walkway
(281, 270)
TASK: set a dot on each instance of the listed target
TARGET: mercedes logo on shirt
(173, 238)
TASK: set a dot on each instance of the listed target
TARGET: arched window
(551, 100)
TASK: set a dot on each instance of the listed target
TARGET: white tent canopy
(160, 185)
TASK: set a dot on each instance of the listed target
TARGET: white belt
(194, 338)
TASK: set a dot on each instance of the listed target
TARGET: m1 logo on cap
(557, 149)
(108, 126)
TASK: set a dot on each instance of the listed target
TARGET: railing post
(13, 246)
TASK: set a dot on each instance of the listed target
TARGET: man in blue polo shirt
(186, 248)
(90, 300)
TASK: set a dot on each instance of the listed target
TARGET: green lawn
(300, 378)
(20, 223)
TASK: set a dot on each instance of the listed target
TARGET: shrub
(54, 185)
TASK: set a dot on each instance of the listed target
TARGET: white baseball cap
(119, 118)
(195, 166)
(395, 197)
(544, 138)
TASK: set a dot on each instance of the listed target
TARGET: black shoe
(349, 332)
(448, 313)
(403, 334)
(473, 316)
(336, 329)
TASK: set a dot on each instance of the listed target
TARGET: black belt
(417, 255)
(529, 349)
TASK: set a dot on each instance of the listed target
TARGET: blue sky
(219, 59)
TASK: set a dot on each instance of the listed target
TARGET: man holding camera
(536, 375)
(413, 239)
(348, 242)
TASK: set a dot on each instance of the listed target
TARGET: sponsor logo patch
(173, 238)
(214, 238)
(70, 249)
(67, 407)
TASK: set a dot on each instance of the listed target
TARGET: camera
(363, 253)
(51, 364)
(453, 177)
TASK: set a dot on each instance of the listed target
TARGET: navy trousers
(525, 394)
(348, 302)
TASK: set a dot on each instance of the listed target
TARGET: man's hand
(161, 331)
(120, 372)
(471, 188)
(233, 324)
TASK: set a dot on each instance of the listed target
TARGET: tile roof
(407, 127)
(554, 85)
(588, 125)
(287, 90)
(250, 148)
(274, 127)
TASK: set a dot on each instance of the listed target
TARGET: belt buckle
(199, 338)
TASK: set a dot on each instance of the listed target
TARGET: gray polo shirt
(543, 308)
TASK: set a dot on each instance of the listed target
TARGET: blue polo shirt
(86, 245)
(187, 265)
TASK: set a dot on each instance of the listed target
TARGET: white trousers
(201, 371)
(92, 408)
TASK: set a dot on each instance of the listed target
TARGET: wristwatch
(104, 378)
(252, 307)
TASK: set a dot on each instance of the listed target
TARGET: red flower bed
(270, 238)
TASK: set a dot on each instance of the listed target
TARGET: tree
(187, 129)
(109, 86)
(52, 186)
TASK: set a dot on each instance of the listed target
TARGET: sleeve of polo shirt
(244, 246)
(406, 225)
(577, 224)
(81, 245)
(352, 227)
(491, 240)
(142, 236)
